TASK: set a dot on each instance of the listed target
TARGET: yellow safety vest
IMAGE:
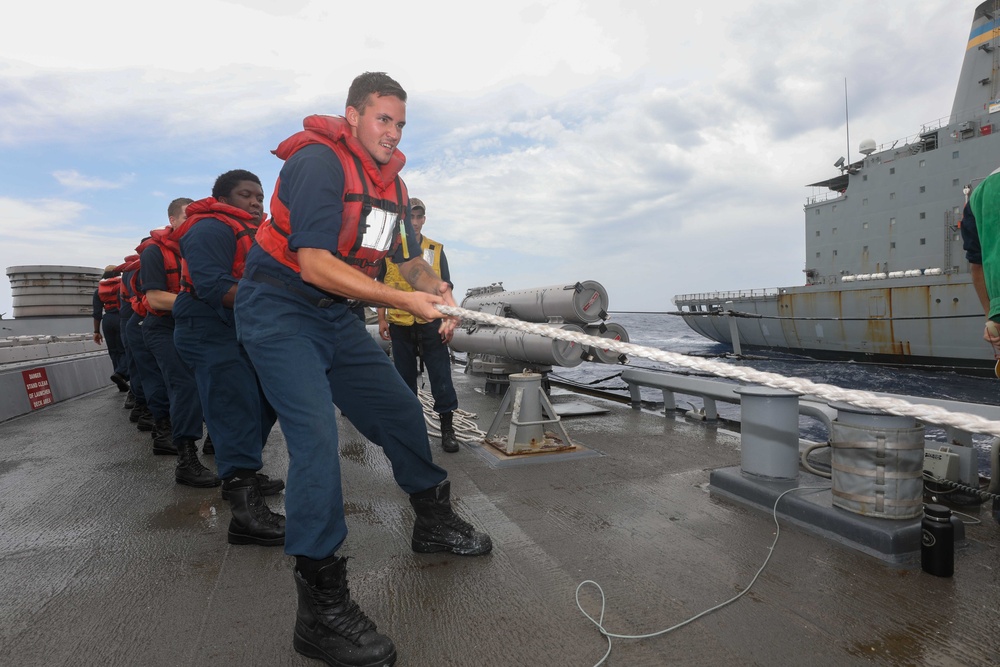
(431, 250)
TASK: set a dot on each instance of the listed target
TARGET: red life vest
(236, 219)
(375, 199)
(130, 282)
(171, 253)
(131, 286)
(131, 259)
(131, 263)
(107, 291)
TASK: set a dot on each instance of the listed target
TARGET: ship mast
(847, 118)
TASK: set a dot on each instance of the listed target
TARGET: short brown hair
(372, 83)
(176, 207)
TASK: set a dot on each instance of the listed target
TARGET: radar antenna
(847, 118)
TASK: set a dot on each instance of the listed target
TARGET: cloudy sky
(657, 151)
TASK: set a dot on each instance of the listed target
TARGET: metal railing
(766, 292)
(713, 391)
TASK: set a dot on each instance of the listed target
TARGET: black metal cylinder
(937, 548)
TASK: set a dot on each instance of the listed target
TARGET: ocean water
(668, 332)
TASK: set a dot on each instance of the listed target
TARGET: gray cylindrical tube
(611, 331)
(519, 345)
(584, 302)
(878, 463)
(769, 432)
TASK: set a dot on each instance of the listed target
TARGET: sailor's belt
(319, 302)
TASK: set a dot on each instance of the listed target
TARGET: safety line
(863, 399)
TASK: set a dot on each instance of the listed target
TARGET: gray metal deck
(104, 560)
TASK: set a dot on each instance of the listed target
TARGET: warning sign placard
(36, 383)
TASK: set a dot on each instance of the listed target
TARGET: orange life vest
(107, 291)
(128, 261)
(131, 263)
(171, 253)
(375, 199)
(236, 219)
(130, 286)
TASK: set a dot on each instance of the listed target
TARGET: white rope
(864, 399)
(466, 426)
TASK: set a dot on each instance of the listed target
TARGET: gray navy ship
(886, 276)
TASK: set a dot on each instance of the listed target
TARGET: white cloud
(74, 180)
(655, 150)
(53, 232)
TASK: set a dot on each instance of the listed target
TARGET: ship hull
(926, 321)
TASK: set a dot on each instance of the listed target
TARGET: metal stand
(526, 433)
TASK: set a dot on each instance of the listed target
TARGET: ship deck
(105, 560)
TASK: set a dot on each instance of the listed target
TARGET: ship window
(833, 208)
(817, 232)
(817, 211)
(817, 255)
(834, 230)
(892, 244)
(892, 221)
(892, 195)
(864, 202)
(954, 155)
(923, 163)
(864, 177)
(864, 249)
(957, 236)
(954, 182)
(923, 241)
(892, 170)
(864, 225)
(923, 189)
(923, 216)
(834, 253)
(956, 210)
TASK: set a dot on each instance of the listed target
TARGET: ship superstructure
(886, 275)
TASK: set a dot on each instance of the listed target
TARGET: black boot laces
(452, 520)
(191, 461)
(261, 511)
(342, 614)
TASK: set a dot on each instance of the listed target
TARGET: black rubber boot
(163, 438)
(145, 421)
(449, 442)
(253, 521)
(120, 381)
(329, 626)
(137, 411)
(438, 528)
(189, 469)
(268, 486)
(129, 400)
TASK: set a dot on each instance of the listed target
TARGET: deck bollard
(769, 432)
(878, 463)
